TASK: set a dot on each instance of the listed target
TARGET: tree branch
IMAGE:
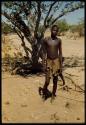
(64, 13)
(20, 25)
(75, 84)
(51, 6)
(39, 16)
(23, 43)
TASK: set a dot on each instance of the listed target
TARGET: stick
(75, 84)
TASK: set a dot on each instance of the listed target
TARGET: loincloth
(53, 67)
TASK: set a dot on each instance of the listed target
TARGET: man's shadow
(44, 97)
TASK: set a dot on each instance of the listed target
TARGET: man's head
(54, 30)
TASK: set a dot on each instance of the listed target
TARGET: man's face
(54, 31)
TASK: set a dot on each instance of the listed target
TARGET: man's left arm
(60, 52)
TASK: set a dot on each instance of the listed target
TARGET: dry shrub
(9, 54)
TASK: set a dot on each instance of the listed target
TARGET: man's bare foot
(53, 97)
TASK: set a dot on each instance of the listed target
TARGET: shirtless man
(52, 47)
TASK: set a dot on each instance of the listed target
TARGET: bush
(6, 28)
(79, 28)
(63, 26)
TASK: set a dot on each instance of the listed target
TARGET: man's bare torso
(52, 47)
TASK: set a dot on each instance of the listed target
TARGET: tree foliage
(35, 12)
(64, 26)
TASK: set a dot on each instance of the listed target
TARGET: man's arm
(60, 52)
(44, 56)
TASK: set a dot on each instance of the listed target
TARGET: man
(52, 47)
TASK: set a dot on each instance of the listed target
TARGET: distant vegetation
(63, 27)
(6, 28)
(78, 28)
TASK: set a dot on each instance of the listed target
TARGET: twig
(67, 88)
(71, 74)
(74, 84)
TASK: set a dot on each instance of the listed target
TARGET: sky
(73, 17)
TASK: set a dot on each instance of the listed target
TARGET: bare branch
(39, 16)
(23, 43)
(51, 6)
(26, 8)
(64, 13)
(74, 83)
(28, 49)
(70, 9)
(19, 24)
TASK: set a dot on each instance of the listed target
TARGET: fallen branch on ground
(76, 86)
(71, 74)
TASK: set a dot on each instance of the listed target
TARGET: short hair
(55, 26)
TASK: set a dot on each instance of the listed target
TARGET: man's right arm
(44, 55)
(60, 52)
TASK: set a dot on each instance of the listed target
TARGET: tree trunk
(36, 54)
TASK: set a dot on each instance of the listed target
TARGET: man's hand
(44, 62)
(44, 68)
(60, 65)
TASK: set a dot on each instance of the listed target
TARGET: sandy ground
(21, 102)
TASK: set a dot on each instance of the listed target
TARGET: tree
(63, 25)
(27, 16)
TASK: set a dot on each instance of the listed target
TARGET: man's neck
(53, 37)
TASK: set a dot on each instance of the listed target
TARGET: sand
(21, 102)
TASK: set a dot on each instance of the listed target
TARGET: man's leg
(62, 78)
(47, 81)
(55, 79)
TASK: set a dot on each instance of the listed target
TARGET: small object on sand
(55, 117)
(78, 118)
(23, 105)
(7, 102)
(5, 118)
(65, 88)
(67, 104)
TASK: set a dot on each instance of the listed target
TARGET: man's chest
(52, 43)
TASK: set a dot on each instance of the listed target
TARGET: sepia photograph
(43, 61)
